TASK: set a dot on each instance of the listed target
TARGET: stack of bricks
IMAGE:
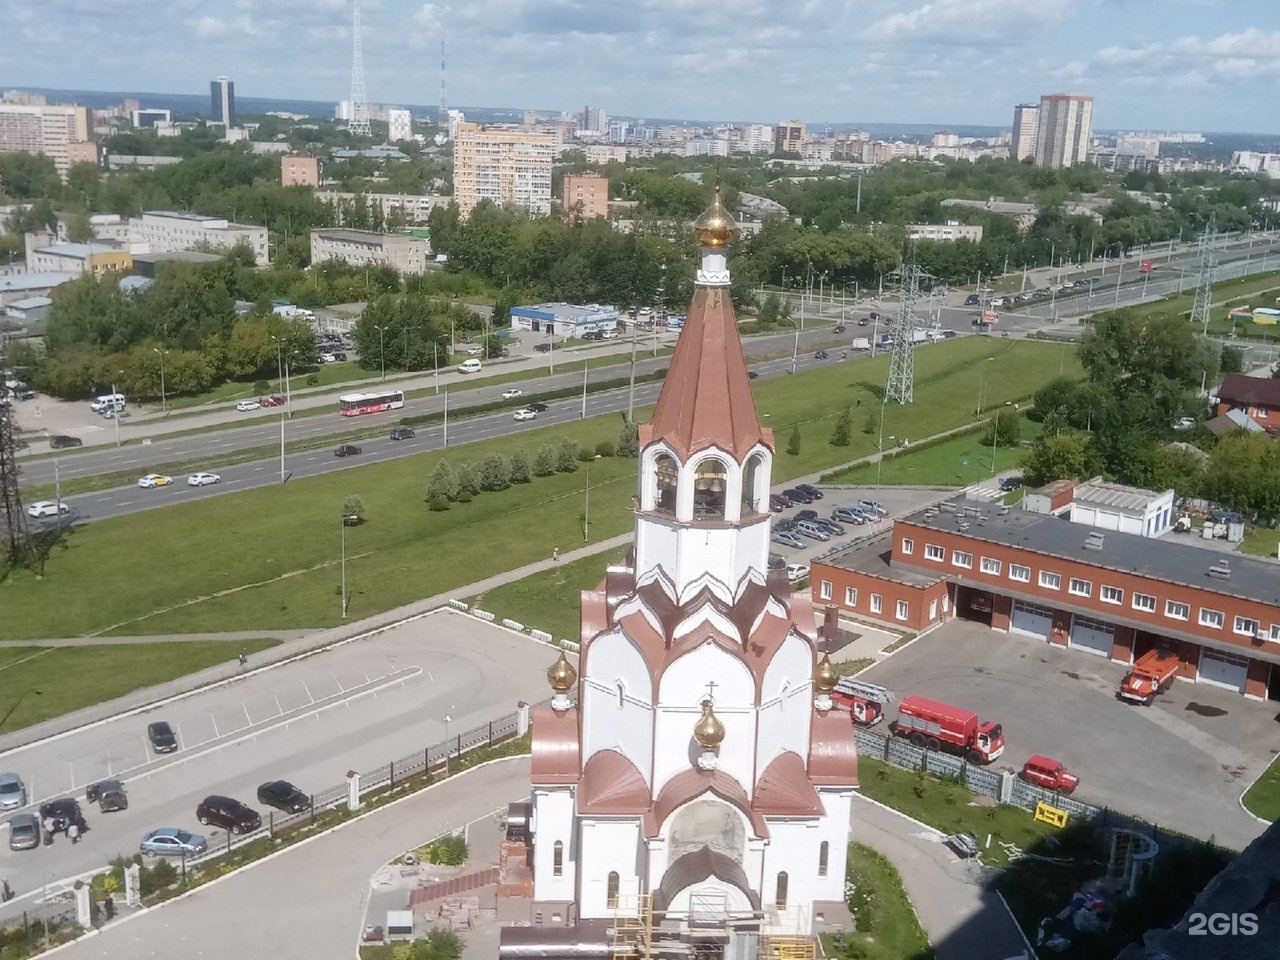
(460, 913)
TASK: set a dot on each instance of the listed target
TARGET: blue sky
(1166, 64)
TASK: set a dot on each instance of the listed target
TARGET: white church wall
(553, 812)
(686, 554)
(786, 715)
(834, 829)
(794, 850)
(612, 722)
(608, 846)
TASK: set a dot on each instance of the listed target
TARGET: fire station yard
(1181, 763)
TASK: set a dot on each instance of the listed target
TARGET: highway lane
(355, 706)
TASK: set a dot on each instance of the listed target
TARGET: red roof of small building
(1237, 388)
(833, 749)
(555, 746)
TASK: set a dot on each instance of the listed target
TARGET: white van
(469, 366)
(108, 401)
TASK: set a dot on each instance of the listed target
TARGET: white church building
(692, 780)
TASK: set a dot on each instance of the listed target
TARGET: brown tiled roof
(1237, 388)
(784, 789)
(833, 750)
(692, 783)
(698, 866)
(555, 746)
(706, 398)
(612, 784)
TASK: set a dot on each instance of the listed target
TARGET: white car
(246, 405)
(512, 393)
(154, 480)
(201, 479)
(610, 335)
(525, 414)
(47, 508)
(797, 571)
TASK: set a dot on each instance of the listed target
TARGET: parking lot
(1181, 763)
(352, 707)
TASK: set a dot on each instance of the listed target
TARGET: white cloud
(217, 28)
(966, 20)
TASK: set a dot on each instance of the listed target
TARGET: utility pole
(446, 416)
(164, 407)
(1202, 307)
(631, 387)
(343, 527)
(584, 390)
(902, 365)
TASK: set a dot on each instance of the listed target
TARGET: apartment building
(47, 130)
(1064, 129)
(361, 248)
(951, 230)
(399, 125)
(585, 197)
(789, 137)
(502, 165)
(415, 207)
(299, 171)
(46, 255)
(222, 101)
(1026, 127)
(165, 231)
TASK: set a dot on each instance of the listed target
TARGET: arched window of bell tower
(753, 485)
(667, 484)
(710, 489)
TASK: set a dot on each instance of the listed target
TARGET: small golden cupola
(562, 678)
(825, 677)
(708, 731)
(715, 228)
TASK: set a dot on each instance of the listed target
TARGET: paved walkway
(170, 638)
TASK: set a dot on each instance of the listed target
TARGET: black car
(751, 374)
(796, 495)
(777, 504)
(347, 450)
(821, 355)
(162, 737)
(839, 328)
(64, 812)
(810, 489)
(536, 407)
(806, 515)
(62, 442)
(402, 433)
(1010, 483)
(283, 795)
(228, 814)
(863, 321)
(109, 795)
(777, 561)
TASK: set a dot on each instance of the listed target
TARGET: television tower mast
(443, 117)
(902, 365)
(1202, 308)
(359, 122)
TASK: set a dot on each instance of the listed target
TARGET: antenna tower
(902, 365)
(359, 122)
(15, 537)
(443, 118)
(1207, 264)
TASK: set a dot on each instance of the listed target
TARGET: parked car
(348, 450)
(821, 355)
(1010, 483)
(64, 811)
(752, 374)
(275, 400)
(525, 414)
(788, 539)
(785, 525)
(798, 496)
(173, 842)
(47, 508)
(972, 300)
(13, 793)
(109, 795)
(810, 489)
(848, 515)
(786, 501)
(154, 480)
(63, 442)
(229, 814)
(203, 479)
(872, 508)
(283, 795)
(812, 531)
(776, 503)
(402, 433)
(831, 526)
(162, 737)
(512, 393)
(806, 514)
(777, 561)
(24, 831)
(244, 406)
(1050, 774)
(797, 571)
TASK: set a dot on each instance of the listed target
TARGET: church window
(780, 897)
(709, 490)
(824, 850)
(557, 859)
(611, 891)
(667, 475)
(751, 477)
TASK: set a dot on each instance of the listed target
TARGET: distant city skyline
(1148, 64)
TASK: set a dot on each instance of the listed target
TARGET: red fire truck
(1152, 674)
(940, 726)
(865, 701)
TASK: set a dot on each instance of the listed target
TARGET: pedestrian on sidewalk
(73, 832)
(6, 891)
(555, 554)
(49, 829)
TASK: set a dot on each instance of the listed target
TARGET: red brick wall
(890, 592)
(1122, 646)
(1255, 684)
(1001, 613)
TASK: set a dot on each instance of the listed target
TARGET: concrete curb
(1031, 951)
(1254, 783)
(933, 831)
(271, 856)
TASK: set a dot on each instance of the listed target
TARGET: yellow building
(503, 165)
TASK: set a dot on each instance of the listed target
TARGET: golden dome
(708, 731)
(715, 228)
(561, 675)
(825, 677)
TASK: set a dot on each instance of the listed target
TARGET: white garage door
(1032, 620)
(1223, 669)
(1093, 636)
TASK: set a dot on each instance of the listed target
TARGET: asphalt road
(355, 706)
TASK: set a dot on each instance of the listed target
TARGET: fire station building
(1107, 592)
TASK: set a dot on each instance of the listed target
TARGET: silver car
(12, 792)
(173, 842)
(24, 831)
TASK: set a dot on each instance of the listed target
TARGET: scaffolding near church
(709, 931)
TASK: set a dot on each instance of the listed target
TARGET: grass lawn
(959, 461)
(1258, 290)
(269, 558)
(45, 682)
(885, 925)
(1261, 542)
(326, 374)
(1263, 798)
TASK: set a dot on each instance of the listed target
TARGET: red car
(1050, 774)
(275, 400)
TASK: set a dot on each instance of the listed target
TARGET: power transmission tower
(1207, 264)
(444, 99)
(15, 536)
(902, 365)
(359, 123)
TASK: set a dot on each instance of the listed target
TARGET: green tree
(1061, 456)
(1004, 429)
(566, 456)
(793, 444)
(442, 481)
(843, 431)
(628, 442)
(79, 230)
(495, 473)
(1232, 360)
(544, 461)
(353, 512)
(468, 480)
(521, 471)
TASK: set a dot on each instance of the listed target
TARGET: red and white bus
(354, 404)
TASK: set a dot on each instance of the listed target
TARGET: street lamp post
(118, 410)
(982, 382)
(343, 523)
(382, 354)
(584, 390)
(164, 406)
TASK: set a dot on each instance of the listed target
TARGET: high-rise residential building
(594, 120)
(1065, 129)
(503, 165)
(789, 137)
(47, 130)
(222, 101)
(585, 197)
(1026, 126)
(22, 98)
(299, 171)
(399, 124)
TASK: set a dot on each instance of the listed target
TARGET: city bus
(354, 404)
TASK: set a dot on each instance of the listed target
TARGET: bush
(468, 478)
(313, 380)
(495, 473)
(262, 386)
(585, 454)
(628, 444)
(521, 472)
(450, 851)
(1004, 429)
(567, 456)
(437, 502)
(605, 448)
(442, 481)
(544, 462)
(353, 510)
(793, 444)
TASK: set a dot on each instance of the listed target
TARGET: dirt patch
(1205, 710)
(1072, 674)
